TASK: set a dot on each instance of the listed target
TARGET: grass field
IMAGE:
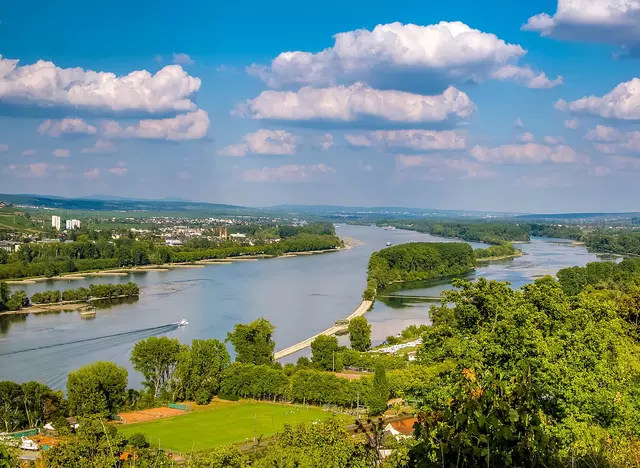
(222, 423)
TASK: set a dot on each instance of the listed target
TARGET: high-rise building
(72, 224)
(55, 222)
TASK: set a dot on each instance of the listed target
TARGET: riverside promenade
(361, 310)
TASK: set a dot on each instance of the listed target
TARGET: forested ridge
(624, 242)
(488, 232)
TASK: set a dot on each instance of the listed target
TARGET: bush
(138, 440)
(227, 397)
(203, 397)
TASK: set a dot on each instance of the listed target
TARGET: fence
(178, 406)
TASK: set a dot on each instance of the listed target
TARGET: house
(401, 429)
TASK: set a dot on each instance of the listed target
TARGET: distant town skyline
(496, 106)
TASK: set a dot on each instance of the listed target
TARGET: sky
(497, 106)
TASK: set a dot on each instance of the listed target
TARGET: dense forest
(50, 259)
(415, 262)
(504, 250)
(625, 242)
(555, 231)
(488, 232)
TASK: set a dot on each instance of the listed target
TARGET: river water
(301, 296)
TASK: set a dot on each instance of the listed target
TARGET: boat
(182, 323)
(388, 244)
(28, 444)
(88, 313)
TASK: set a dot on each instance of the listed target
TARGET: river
(301, 296)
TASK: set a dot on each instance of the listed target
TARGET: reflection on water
(300, 296)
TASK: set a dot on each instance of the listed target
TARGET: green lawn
(222, 424)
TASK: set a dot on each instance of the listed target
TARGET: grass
(222, 423)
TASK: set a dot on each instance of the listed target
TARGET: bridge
(361, 310)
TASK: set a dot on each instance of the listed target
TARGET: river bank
(519, 253)
(62, 306)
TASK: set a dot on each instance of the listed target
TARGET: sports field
(222, 423)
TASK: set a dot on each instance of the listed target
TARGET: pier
(361, 310)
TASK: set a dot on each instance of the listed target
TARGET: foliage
(556, 231)
(600, 275)
(199, 370)
(417, 261)
(623, 242)
(360, 334)
(97, 389)
(156, 359)
(323, 353)
(505, 249)
(219, 457)
(248, 380)
(379, 395)
(138, 440)
(318, 387)
(253, 343)
(95, 291)
(488, 232)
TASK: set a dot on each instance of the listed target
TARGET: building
(72, 224)
(55, 222)
(401, 429)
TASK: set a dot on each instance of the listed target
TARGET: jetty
(361, 310)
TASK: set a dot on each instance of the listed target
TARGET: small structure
(28, 444)
(401, 429)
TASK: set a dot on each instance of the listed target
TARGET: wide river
(301, 296)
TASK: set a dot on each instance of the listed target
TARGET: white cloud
(364, 167)
(553, 140)
(119, 171)
(603, 133)
(61, 153)
(45, 85)
(358, 101)
(29, 152)
(39, 170)
(518, 123)
(189, 126)
(607, 21)
(571, 124)
(526, 76)
(419, 140)
(263, 142)
(439, 165)
(287, 173)
(323, 142)
(409, 56)
(182, 59)
(623, 102)
(101, 147)
(526, 137)
(529, 153)
(92, 174)
(57, 128)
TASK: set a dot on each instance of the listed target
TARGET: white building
(72, 224)
(55, 222)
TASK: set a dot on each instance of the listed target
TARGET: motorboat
(182, 323)
(388, 244)
(28, 444)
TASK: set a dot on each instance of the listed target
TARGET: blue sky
(492, 106)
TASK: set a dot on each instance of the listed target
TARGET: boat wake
(120, 337)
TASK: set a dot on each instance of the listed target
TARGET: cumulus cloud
(358, 101)
(622, 103)
(525, 76)
(92, 174)
(58, 128)
(263, 142)
(61, 153)
(39, 170)
(607, 21)
(323, 142)
(182, 59)
(29, 152)
(119, 171)
(526, 137)
(44, 85)
(571, 124)
(101, 147)
(439, 165)
(529, 153)
(287, 173)
(518, 123)
(553, 140)
(612, 141)
(418, 140)
(401, 56)
(603, 133)
(189, 126)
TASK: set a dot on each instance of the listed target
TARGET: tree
(324, 351)
(253, 343)
(200, 368)
(97, 389)
(4, 295)
(12, 414)
(156, 359)
(42, 404)
(360, 334)
(379, 395)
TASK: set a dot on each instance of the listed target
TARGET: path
(361, 310)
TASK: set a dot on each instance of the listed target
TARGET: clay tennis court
(149, 415)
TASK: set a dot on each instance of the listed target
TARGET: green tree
(324, 351)
(156, 359)
(5, 293)
(253, 343)
(12, 415)
(379, 395)
(97, 389)
(360, 334)
(201, 367)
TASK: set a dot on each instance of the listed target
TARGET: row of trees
(415, 262)
(94, 291)
(506, 249)
(624, 242)
(50, 259)
(488, 232)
